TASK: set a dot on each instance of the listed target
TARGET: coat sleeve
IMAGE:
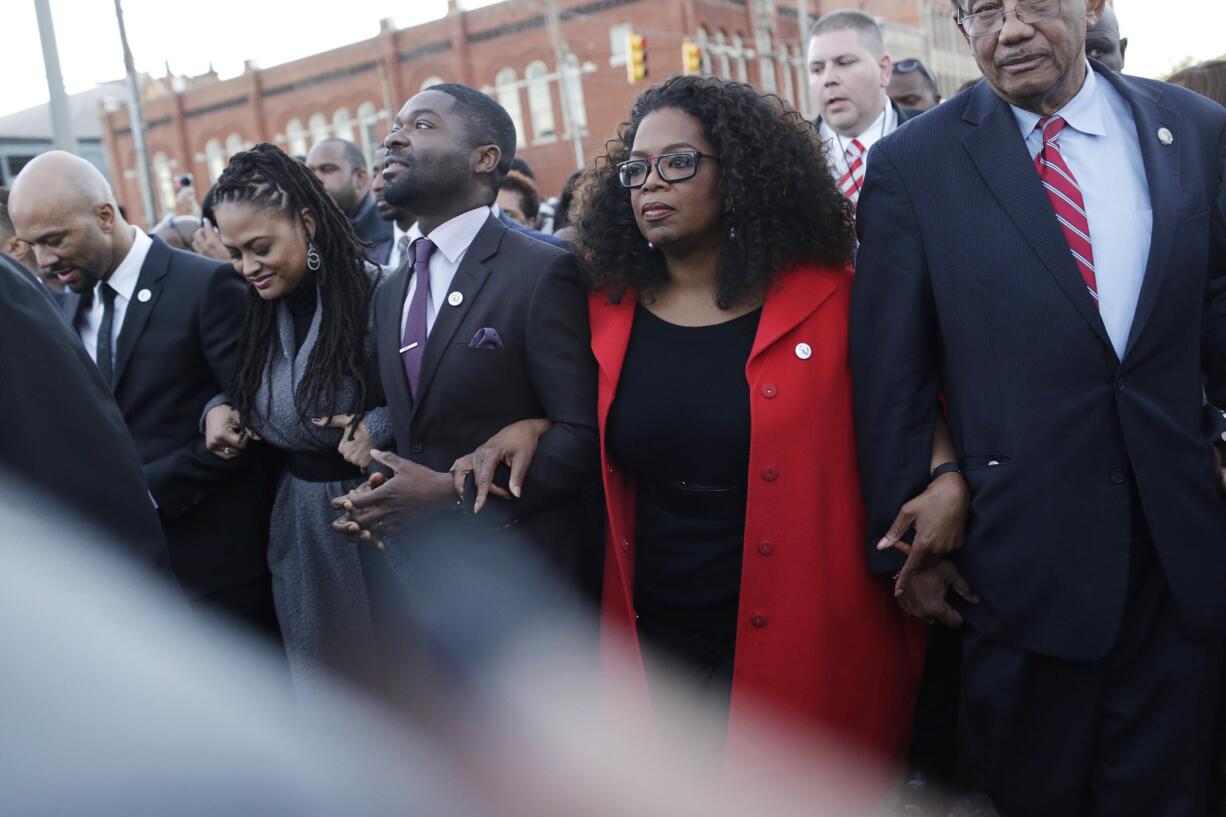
(185, 477)
(894, 354)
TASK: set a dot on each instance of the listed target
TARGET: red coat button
(769, 390)
(766, 548)
(626, 545)
(769, 474)
(758, 620)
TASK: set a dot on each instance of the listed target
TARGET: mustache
(1019, 56)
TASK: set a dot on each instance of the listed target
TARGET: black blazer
(175, 352)
(60, 430)
(965, 285)
(369, 225)
(529, 293)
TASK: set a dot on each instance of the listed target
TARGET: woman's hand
(515, 446)
(356, 451)
(224, 435)
(939, 518)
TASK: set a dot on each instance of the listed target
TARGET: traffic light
(691, 58)
(636, 58)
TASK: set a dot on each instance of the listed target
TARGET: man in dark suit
(60, 429)
(389, 253)
(498, 334)
(162, 326)
(1068, 298)
(849, 73)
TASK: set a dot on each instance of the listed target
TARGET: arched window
(295, 138)
(164, 178)
(368, 126)
(318, 123)
(766, 63)
(738, 56)
(234, 144)
(721, 55)
(789, 86)
(506, 88)
(540, 100)
(342, 125)
(572, 75)
(432, 80)
(215, 158)
(704, 49)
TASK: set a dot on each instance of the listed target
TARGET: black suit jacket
(369, 225)
(529, 293)
(978, 298)
(60, 429)
(174, 353)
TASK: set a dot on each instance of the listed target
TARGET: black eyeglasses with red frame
(670, 167)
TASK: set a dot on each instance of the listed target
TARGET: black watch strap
(946, 468)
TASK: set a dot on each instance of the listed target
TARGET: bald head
(1103, 41)
(64, 209)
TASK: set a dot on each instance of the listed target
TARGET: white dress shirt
(395, 258)
(1100, 145)
(451, 240)
(836, 145)
(123, 281)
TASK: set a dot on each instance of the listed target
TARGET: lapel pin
(804, 351)
(1165, 136)
(404, 349)
(455, 298)
(143, 296)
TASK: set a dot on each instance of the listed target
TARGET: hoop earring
(313, 260)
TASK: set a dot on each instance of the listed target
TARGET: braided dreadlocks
(266, 177)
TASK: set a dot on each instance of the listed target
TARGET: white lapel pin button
(455, 298)
(144, 295)
(804, 351)
(1165, 136)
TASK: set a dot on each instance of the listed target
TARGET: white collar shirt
(451, 241)
(1101, 147)
(836, 145)
(123, 280)
(396, 257)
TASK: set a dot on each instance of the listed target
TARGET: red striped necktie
(853, 179)
(1066, 200)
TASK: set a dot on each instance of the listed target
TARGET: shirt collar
(123, 279)
(398, 233)
(452, 237)
(883, 124)
(1084, 112)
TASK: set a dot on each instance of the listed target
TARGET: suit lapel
(395, 384)
(611, 324)
(468, 280)
(69, 304)
(1162, 175)
(999, 152)
(157, 264)
(796, 296)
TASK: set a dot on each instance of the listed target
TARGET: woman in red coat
(718, 249)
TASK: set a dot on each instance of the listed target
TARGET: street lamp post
(61, 122)
(137, 124)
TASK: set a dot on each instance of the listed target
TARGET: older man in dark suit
(1068, 297)
(162, 326)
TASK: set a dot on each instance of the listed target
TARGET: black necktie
(102, 352)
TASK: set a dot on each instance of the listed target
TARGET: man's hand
(515, 446)
(207, 242)
(411, 490)
(224, 435)
(356, 451)
(924, 596)
(939, 518)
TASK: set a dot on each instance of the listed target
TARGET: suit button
(626, 545)
(770, 474)
(415, 448)
(758, 621)
(766, 548)
(1117, 476)
(769, 391)
(1121, 385)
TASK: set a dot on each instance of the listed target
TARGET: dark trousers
(1127, 735)
(249, 605)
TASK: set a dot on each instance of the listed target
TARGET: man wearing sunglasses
(1048, 251)
(848, 75)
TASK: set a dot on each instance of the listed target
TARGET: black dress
(679, 426)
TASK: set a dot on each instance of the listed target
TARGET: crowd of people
(904, 425)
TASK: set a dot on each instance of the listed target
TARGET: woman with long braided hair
(302, 385)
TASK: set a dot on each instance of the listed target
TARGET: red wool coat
(819, 640)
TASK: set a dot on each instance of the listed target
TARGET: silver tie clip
(404, 349)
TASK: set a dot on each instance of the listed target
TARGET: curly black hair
(266, 176)
(778, 194)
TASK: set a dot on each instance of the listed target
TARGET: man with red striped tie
(1048, 251)
(848, 75)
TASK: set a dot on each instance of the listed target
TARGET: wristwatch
(946, 468)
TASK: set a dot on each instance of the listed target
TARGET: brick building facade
(504, 49)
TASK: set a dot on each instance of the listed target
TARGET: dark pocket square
(486, 338)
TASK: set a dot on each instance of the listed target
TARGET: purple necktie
(414, 341)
